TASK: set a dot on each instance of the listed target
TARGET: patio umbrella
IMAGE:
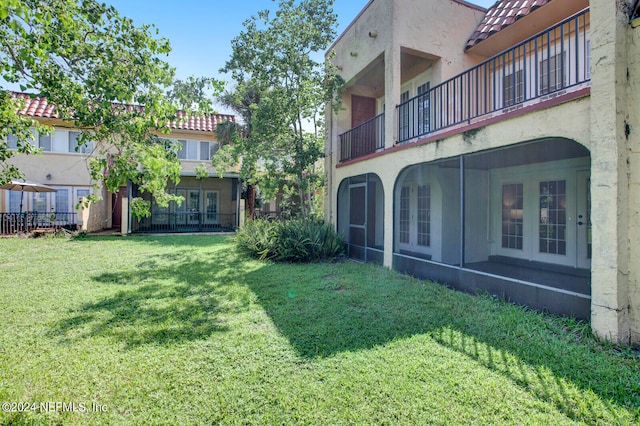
(26, 186)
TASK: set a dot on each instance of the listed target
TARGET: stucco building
(495, 150)
(210, 204)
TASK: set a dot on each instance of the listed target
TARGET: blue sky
(201, 30)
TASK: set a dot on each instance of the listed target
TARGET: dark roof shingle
(38, 107)
(502, 14)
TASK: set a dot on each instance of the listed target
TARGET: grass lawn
(183, 330)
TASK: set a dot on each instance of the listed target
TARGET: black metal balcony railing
(12, 223)
(363, 139)
(184, 222)
(549, 62)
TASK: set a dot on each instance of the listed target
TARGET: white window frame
(12, 141)
(212, 148)
(531, 176)
(72, 138)
(513, 84)
(44, 147)
(412, 245)
(545, 72)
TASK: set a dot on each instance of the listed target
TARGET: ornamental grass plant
(296, 240)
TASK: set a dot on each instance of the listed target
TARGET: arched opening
(514, 221)
(361, 217)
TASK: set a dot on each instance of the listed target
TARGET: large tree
(276, 54)
(106, 76)
(237, 139)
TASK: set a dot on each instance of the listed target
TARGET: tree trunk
(251, 201)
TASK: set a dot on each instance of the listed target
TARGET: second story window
(552, 74)
(208, 149)
(404, 116)
(513, 88)
(189, 150)
(86, 148)
(44, 142)
(12, 141)
(423, 108)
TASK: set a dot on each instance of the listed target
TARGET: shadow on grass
(177, 240)
(168, 298)
(185, 294)
(324, 310)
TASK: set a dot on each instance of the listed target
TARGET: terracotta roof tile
(35, 107)
(502, 14)
(38, 107)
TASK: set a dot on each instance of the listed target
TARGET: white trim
(531, 176)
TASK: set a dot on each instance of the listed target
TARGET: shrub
(297, 240)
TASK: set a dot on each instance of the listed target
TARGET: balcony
(363, 139)
(553, 62)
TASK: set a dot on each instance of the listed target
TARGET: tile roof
(35, 107)
(502, 14)
(202, 123)
(38, 107)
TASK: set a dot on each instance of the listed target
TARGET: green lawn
(183, 330)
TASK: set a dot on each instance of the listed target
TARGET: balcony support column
(392, 89)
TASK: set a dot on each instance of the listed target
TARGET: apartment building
(210, 204)
(495, 150)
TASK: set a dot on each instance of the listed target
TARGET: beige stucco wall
(371, 65)
(633, 119)
(613, 312)
(438, 28)
(369, 52)
(607, 122)
(551, 122)
(223, 186)
(72, 170)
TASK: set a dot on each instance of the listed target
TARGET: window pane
(73, 141)
(39, 202)
(423, 108)
(213, 148)
(512, 215)
(15, 198)
(553, 211)
(513, 88)
(404, 116)
(62, 200)
(45, 142)
(204, 151)
(192, 150)
(424, 216)
(182, 154)
(404, 214)
(12, 141)
(552, 74)
(211, 206)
